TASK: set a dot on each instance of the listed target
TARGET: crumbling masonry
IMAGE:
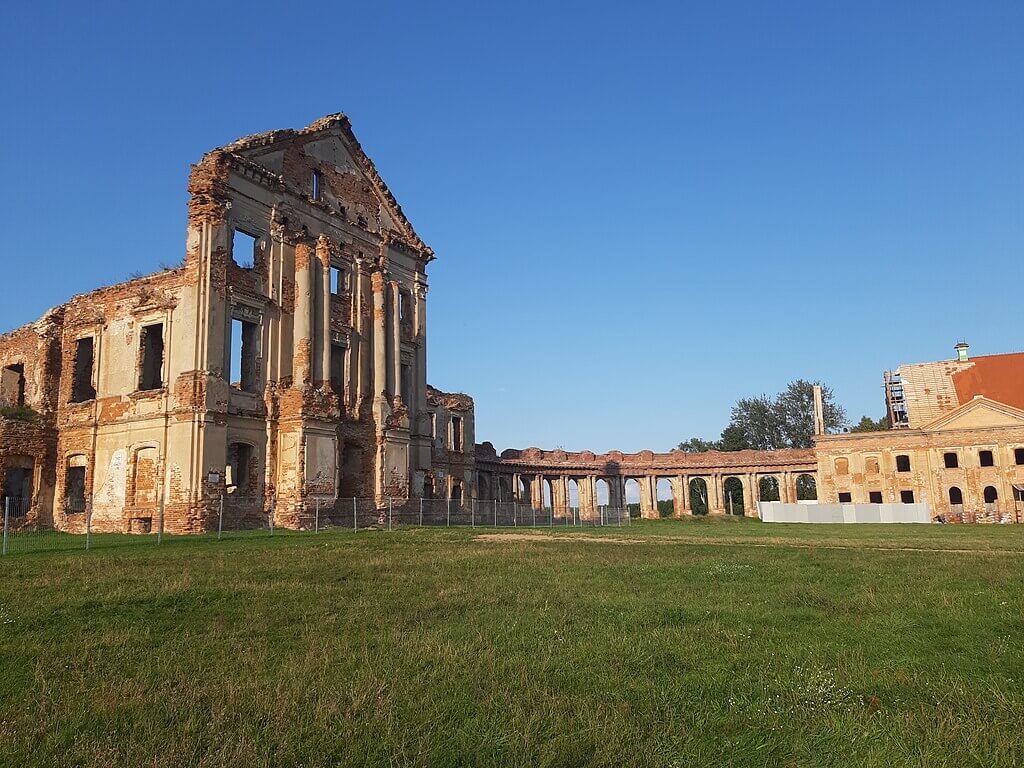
(284, 359)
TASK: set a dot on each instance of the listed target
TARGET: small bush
(18, 412)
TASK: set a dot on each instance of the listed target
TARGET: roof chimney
(961, 348)
(819, 411)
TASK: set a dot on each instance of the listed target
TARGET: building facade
(957, 442)
(284, 359)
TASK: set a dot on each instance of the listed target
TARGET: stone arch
(956, 496)
(572, 495)
(483, 486)
(768, 488)
(806, 487)
(991, 494)
(547, 499)
(732, 496)
(699, 498)
(631, 496)
(604, 492)
(664, 497)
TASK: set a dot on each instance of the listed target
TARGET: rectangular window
(1018, 456)
(950, 460)
(875, 497)
(12, 385)
(74, 490)
(151, 353)
(986, 458)
(902, 463)
(244, 354)
(456, 433)
(315, 185)
(81, 377)
(243, 249)
(906, 497)
(403, 307)
(433, 425)
(845, 498)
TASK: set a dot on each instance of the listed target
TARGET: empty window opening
(845, 498)
(244, 354)
(950, 460)
(315, 185)
(1018, 456)
(151, 349)
(902, 463)
(238, 471)
(986, 458)
(433, 425)
(18, 484)
(956, 496)
(871, 465)
(875, 497)
(456, 433)
(907, 497)
(74, 489)
(428, 487)
(12, 385)
(991, 495)
(81, 379)
(243, 249)
(456, 494)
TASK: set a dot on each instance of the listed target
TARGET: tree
(699, 445)
(795, 411)
(867, 424)
(766, 424)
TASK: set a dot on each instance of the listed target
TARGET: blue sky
(641, 212)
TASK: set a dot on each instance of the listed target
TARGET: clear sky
(641, 212)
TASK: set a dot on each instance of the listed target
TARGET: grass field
(697, 643)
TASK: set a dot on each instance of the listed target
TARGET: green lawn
(697, 643)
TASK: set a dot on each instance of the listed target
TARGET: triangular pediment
(347, 178)
(978, 413)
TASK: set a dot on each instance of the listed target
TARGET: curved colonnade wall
(542, 479)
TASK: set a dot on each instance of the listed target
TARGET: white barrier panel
(777, 512)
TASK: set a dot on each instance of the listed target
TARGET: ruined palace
(284, 358)
(284, 363)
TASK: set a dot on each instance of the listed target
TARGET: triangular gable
(348, 176)
(978, 412)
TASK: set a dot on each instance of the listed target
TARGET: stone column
(678, 501)
(322, 355)
(749, 496)
(537, 491)
(362, 295)
(421, 357)
(302, 338)
(380, 368)
(715, 495)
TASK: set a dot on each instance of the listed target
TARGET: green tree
(764, 423)
(699, 445)
(867, 424)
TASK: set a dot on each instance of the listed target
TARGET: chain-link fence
(22, 533)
